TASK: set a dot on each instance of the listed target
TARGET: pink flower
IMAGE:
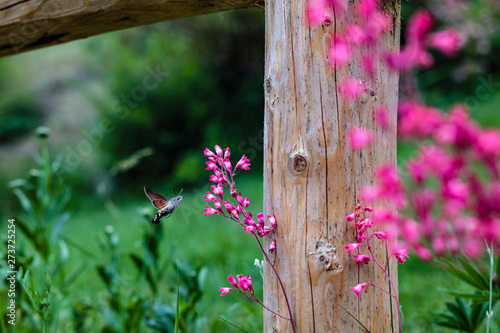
(227, 153)
(218, 190)
(208, 153)
(355, 34)
(418, 121)
(351, 247)
(210, 211)
(359, 287)
(339, 52)
(209, 197)
(246, 202)
(245, 283)
(361, 259)
(488, 144)
(272, 220)
(248, 219)
(229, 207)
(447, 41)
(243, 163)
(401, 255)
(351, 88)
(249, 228)
(352, 216)
(232, 280)
(218, 151)
(382, 117)
(364, 224)
(382, 235)
(263, 231)
(217, 205)
(359, 138)
(233, 192)
(224, 291)
(316, 12)
(368, 64)
(211, 165)
(260, 219)
(272, 247)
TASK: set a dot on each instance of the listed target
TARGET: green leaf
(464, 276)
(143, 267)
(177, 308)
(25, 202)
(474, 272)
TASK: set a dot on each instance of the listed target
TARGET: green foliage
(469, 309)
(20, 114)
(46, 300)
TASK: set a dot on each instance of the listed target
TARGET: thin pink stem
(396, 297)
(279, 280)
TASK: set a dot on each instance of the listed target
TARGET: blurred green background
(137, 107)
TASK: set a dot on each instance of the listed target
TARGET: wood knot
(267, 85)
(299, 163)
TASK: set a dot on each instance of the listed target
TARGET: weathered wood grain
(30, 24)
(312, 179)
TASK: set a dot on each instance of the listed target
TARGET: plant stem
(279, 280)
(396, 298)
(489, 314)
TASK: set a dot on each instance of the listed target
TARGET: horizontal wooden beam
(31, 24)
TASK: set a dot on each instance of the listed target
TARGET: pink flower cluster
(223, 175)
(243, 286)
(418, 38)
(364, 235)
(453, 186)
(367, 30)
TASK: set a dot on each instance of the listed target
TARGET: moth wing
(160, 204)
(158, 200)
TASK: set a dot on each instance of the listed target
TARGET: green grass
(210, 241)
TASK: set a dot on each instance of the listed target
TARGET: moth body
(164, 205)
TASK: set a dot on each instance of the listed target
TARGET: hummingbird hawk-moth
(164, 205)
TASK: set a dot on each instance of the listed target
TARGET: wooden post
(312, 179)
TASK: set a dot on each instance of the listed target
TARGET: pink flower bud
(359, 287)
(245, 283)
(359, 138)
(260, 219)
(272, 220)
(217, 205)
(231, 280)
(249, 228)
(401, 255)
(233, 192)
(351, 216)
(361, 259)
(224, 291)
(243, 163)
(208, 153)
(227, 153)
(210, 211)
(227, 164)
(382, 235)
(209, 197)
(351, 247)
(218, 150)
(246, 202)
(272, 247)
